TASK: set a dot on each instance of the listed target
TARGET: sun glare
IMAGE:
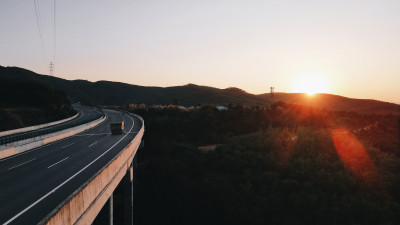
(311, 84)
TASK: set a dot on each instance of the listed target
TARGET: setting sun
(310, 84)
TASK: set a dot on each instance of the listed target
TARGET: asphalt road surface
(85, 113)
(33, 183)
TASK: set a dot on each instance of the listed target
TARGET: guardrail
(84, 204)
(35, 127)
(15, 138)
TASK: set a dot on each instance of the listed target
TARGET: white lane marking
(67, 145)
(56, 188)
(92, 144)
(91, 134)
(21, 164)
(52, 143)
(57, 162)
(82, 114)
(22, 153)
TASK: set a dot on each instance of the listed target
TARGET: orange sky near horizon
(348, 48)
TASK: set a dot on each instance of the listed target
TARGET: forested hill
(116, 93)
(27, 102)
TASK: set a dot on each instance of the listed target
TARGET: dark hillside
(30, 102)
(17, 93)
(116, 93)
(337, 103)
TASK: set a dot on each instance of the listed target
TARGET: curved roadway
(85, 113)
(34, 183)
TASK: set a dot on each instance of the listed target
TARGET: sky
(349, 48)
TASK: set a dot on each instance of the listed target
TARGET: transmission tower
(51, 68)
(272, 91)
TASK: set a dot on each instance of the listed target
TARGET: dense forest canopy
(284, 164)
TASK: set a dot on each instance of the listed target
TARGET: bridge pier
(119, 207)
(106, 214)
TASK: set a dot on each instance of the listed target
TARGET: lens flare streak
(354, 157)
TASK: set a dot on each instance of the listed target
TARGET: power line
(37, 10)
(54, 59)
(41, 34)
(54, 40)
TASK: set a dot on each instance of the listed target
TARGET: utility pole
(272, 91)
(51, 68)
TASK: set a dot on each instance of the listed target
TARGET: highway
(85, 113)
(34, 183)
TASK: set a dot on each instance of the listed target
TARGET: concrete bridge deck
(68, 181)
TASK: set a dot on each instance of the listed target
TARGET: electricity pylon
(51, 68)
(272, 91)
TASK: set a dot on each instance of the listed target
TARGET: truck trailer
(117, 128)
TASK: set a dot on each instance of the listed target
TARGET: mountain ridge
(119, 93)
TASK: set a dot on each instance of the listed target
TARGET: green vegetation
(276, 165)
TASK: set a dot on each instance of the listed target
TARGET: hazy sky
(350, 48)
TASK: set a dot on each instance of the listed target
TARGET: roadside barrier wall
(82, 206)
(26, 129)
(31, 143)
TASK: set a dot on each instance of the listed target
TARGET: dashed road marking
(21, 164)
(57, 162)
(67, 145)
(66, 181)
(92, 144)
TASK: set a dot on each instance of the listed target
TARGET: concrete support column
(119, 207)
(128, 204)
(106, 214)
(111, 209)
(124, 199)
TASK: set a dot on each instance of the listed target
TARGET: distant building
(182, 107)
(220, 107)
